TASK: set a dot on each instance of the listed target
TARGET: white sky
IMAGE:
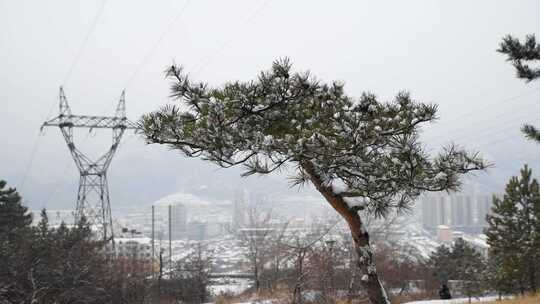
(442, 52)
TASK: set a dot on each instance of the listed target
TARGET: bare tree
(302, 256)
(190, 277)
(400, 264)
(299, 254)
(255, 236)
(276, 263)
(322, 261)
(130, 279)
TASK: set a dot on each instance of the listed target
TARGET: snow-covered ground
(257, 302)
(456, 301)
(230, 286)
(452, 301)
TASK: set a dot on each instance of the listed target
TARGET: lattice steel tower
(93, 200)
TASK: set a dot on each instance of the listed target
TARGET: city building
(434, 211)
(483, 208)
(178, 221)
(134, 254)
(461, 207)
(444, 234)
(134, 247)
(197, 231)
(239, 209)
(463, 212)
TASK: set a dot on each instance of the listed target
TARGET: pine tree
(441, 264)
(496, 277)
(13, 215)
(514, 231)
(469, 266)
(360, 154)
(66, 265)
(521, 55)
(15, 235)
(461, 263)
(42, 228)
(45, 264)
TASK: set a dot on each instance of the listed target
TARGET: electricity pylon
(93, 201)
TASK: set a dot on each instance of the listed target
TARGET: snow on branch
(370, 148)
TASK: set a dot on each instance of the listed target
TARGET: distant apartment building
(178, 222)
(240, 205)
(483, 208)
(133, 247)
(203, 230)
(461, 207)
(434, 211)
(134, 254)
(459, 211)
(197, 231)
(444, 234)
(175, 215)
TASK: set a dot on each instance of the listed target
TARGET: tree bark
(532, 277)
(365, 262)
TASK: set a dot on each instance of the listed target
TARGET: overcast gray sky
(442, 52)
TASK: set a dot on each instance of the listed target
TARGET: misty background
(440, 52)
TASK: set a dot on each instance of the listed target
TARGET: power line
(505, 100)
(31, 161)
(66, 78)
(459, 130)
(85, 41)
(54, 190)
(77, 57)
(487, 141)
(203, 63)
(490, 130)
(154, 47)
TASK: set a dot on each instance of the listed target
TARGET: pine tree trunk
(365, 263)
(532, 277)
